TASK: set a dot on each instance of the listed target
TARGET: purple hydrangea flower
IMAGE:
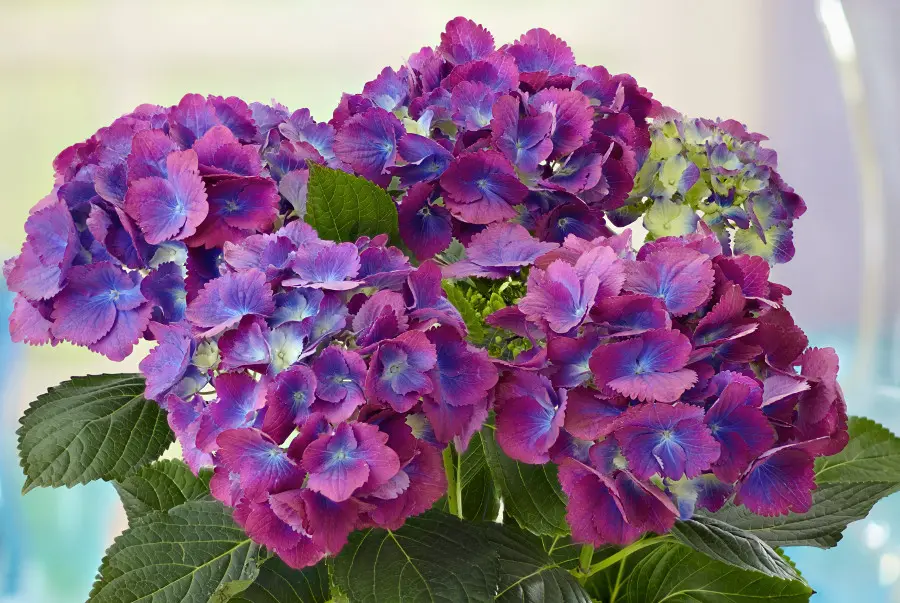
(103, 309)
(170, 207)
(340, 375)
(649, 367)
(367, 142)
(223, 302)
(352, 456)
(669, 440)
(424, 227)
(482, 187)
(498, 251)
(398, 370)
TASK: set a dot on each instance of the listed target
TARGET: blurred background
(821, 78)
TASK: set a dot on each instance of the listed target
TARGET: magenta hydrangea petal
(340, 375)
(528, 426)
(165, 289)
(682, 278)
(220, 153)
(292, 544)
(288, 399)
(238, 207)
(559, 296)
(238, 399)
(570, 356)
(149, 150)
(167, 362)
(127, 330)
(573, 117)
(464, 40)
(29, 322)
(330, 523)
(327, 267)
(223, 302)
(350, 457)
(649, 367)
(540, 50)
(86, 311)
(368, 142)
(398, 370)
(589, 415)
(669, 440)
(525, 141)
(245, 346)
(778, 483)
(594, 511)
(264, 467)
(503, 245)
(427, 483)
(482, 187)
(646, 507)
(740, 427)
(498, 71)
(425, 228)
(184, 420)
(172, 207)
(425, 160)
(472, 105)
(631, 314)
(462, 376)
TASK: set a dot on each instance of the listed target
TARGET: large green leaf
(849, 484)
(95, 427)
(434, 557)
(190, 554)
(342, 207)
(676, 573)
(527, 573)
(278, 583)
(480, 498)
(161, 486)
(733, 546)
(531, 493)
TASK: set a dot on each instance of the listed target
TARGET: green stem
(585, 558)
(454, 487)
(619, 556)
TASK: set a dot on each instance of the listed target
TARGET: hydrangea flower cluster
(140, 212)
(717, 172)
(323, 380)
(339, 373)
(471, 134)
(663, 381)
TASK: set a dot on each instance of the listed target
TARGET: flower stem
(454, 485)
(620, 555)
(584, 560)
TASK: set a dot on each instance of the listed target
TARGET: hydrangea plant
(411, 353)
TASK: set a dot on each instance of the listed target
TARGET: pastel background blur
(821, 80)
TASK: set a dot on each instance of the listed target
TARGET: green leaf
(470, 316)
(733, 546)
(849, 485)
(95, 427)
(161, 486)
(190, 554)
(279, 583)
(871, 455)
(527, 573)
(434, 557)
(531, 493)
(676, 573)
(480, 498)
(342, 207)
